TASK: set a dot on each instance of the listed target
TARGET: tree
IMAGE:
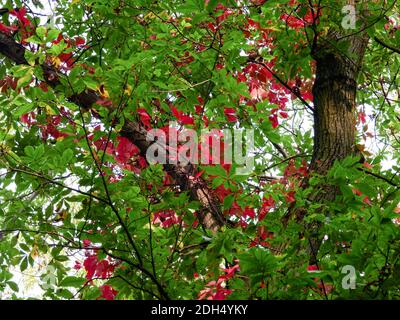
(85, 92)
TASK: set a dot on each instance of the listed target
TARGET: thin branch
(38, 175)
(282, 82)
(301, 155)
(379, 177)
(387, 46)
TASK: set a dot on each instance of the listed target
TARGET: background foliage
(79, 200)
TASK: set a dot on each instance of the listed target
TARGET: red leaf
(290, 196)
(268, 204)
(104, 102)
(230, 272)
(264, 75)
(107, 292)
(144, 117)
(101, 145)
(90, 265)
(249, 212)
(166, 218)
(65, 57)
(175, 112)
(274, 120)
(312, 268)
(185, 119)
(77, 265)
(43, 86)
(292, 21)
(58, 40)
(7, 29)
(185, 60)
(212, 27)
(226, 13)
(366, 200)
(368, 165)
(235, 210)
(28, 118)
(308, 96)
(199, 109)
(20, 14)
(357, 192)
(258, 2)
(103, 269)
(86, 243)
(79, 41)
(230, 114)
(361, 117)
(283, 114)
(52, 130)
(182, 118)
(206, 121)
(221, 192)
(125, 150)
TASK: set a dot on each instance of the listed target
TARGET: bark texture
(334, 93)
(334, 90)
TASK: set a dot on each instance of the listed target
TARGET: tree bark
(334, 93)
(334, 90)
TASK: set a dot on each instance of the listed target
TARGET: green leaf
(228, 201)
(216, 170)
(20, 70)
(52, 35)
(61, 258)
(25, 79)
(29, 151)
(72, 282)
(56, 49)
(13, 286)
(212, 4)
(67, 156)
(41, 32)
(24, 264)
(92, 293)
(366, 189)
(90, 83)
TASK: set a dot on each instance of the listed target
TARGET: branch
(280, 149)
(38, 175)
(387, 46)
(11, 49)
(301, 155)
(282, 82)
(379, 177)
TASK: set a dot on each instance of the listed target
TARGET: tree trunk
(334, 90)
(210, 215)
(334, 93)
